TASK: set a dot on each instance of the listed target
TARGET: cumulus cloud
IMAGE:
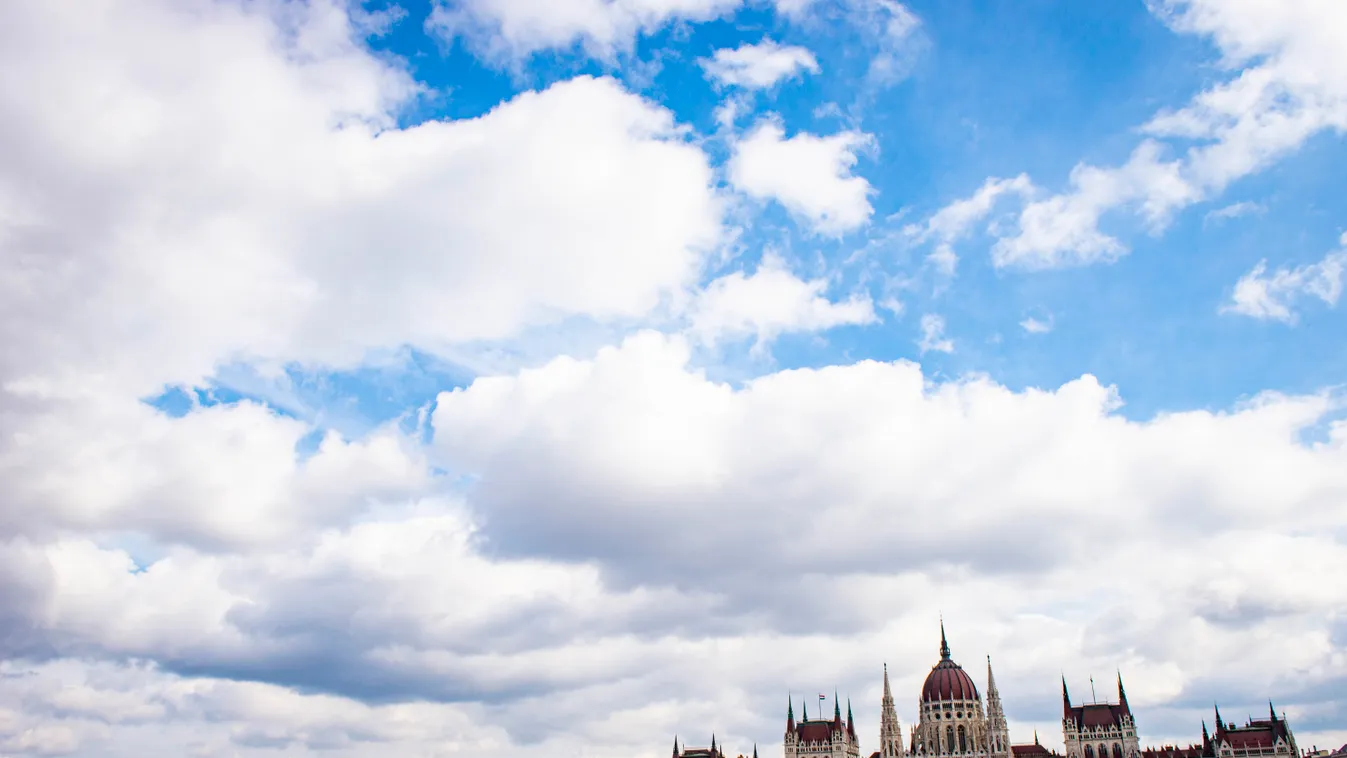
(770, 302)
(808, 174)
(304, 226)
(1287, 85)
(759, 66)
(1265, 296)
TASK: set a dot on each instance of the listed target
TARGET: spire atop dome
(944, 646)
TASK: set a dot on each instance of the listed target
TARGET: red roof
(1029, 751)
(948, 681)
(1095, 715)
(815, 731)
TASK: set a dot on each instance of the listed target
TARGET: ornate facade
(1270, 736)
(1099, 730)
(951, 719)
(821, 738)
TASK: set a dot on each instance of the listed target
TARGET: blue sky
(510, 379)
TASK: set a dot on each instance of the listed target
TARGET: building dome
(947, 680)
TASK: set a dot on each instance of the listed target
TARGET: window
(963, 740)
(1117, 750)
(949, 739)
(1089, 751)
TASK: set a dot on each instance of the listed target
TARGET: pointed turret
(790, 715)
(837, 709)
(1272, 712)
(998, 737)
(804, 710)
(944, 645)
(713, 744)
(1035, 736)
(1066, 700)
(1122, 694)
(890, 731)
(851, 723)
(755, 750)
(675, 753)
(1220, 725)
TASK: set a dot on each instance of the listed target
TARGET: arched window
(949, 739)
(963, 740)
(1089, 751)
(1117, 750)
(1103, 750)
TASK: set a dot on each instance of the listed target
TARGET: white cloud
(759, 66)
(1036, 326)
(933, 337)
(1271, 297)
(1290, 83)
(303, 225)
(1234, 210)
(514, 29)
(809, 175)
(955, 221)
(1063, 230)
(772, 301)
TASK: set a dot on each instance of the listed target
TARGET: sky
(549, 378)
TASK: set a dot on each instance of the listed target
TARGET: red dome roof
(947, 680)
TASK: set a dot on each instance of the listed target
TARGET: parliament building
(954, 722)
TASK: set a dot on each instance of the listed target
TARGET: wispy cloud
(1265, 296)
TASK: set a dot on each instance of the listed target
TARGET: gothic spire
(1272, 711)
(713, 743)
(837, 708)
(755, 750)
(1220, 725)
(790, 713)
(1066, 699)
(888, 693)
(991, 679)
(675, 752)
(804, 710)
(944, 646)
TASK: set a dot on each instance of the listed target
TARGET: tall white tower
(998, 732)
(890, 731)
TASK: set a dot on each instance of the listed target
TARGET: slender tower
(998, 732)
(890, 731)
